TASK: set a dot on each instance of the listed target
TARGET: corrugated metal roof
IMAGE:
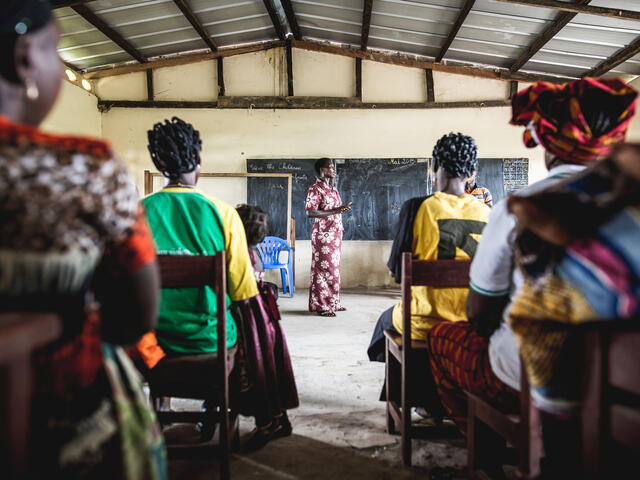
(494, 33)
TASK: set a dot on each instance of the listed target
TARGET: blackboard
(377, 187)
(490, 175)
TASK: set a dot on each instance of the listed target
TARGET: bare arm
(485, 313)
(327, 213)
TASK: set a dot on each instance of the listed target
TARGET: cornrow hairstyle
(320, 163)
(457, 154)
(174, 147)
(255, 221)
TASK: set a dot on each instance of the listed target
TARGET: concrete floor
(339, 428)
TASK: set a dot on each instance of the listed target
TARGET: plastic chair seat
(270, 249)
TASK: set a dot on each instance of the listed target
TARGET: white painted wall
(75, 113)
(232, 136)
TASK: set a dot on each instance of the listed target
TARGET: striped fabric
(459, 360)
(596, 277)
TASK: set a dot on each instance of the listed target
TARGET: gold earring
(32, 89)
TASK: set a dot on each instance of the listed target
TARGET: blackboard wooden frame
(148, 188)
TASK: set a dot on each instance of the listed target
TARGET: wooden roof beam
(574, 8)
(559, 23)
(621, 56)
(109, 32)
(66, 3)
(275, 19)
(464, 11)
(291, 18)
(196, 24)
(176, 60)
(366, 24)
(415, 61)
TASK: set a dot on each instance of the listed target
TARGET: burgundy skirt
(266, 384)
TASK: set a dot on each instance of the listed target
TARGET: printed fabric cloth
(446, 227)
(556, 116)
(70, 217)
(481, 193)
(326, 249)
(187, 319)
(579, 252)
(494, 274)
(460, 363)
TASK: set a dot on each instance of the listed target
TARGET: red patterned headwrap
(578, 122)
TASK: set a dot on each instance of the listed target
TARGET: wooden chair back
(20, 334)
(400, 349)
(428, 273)
(185, 271)
(611, 407)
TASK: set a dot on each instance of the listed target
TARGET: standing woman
(324, 204)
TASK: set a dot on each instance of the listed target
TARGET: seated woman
(576, 123)
(579, 253)
(67, 206)
(446, 225)
(266, 338)
(185, 221)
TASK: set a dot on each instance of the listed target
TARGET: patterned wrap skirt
(324, 288)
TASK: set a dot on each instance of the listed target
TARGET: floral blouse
(323, 196)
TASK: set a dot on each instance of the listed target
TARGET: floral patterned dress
(326, 249)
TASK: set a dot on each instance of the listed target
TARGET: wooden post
(359, 78)
(150, 85)
(513, 88)
(220, 77)
(289, 68)
(148, 183)
(431, 98)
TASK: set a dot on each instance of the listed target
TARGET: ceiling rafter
(573, 8)
(67, 3)
(291, 18)
(86, 13)
(275, 19)
(366, 24)
(616, 59)
(551, 31)
(195, 22)
(178, 59)
(464, 11)
(415, 61)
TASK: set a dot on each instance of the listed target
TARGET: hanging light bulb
(70, 75)
(86, 85)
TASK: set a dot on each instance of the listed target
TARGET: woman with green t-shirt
(185, 221)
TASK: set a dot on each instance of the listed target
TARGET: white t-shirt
(493, 274)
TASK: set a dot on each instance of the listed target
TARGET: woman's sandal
(278, 427)
(327, 314)
(342, 309)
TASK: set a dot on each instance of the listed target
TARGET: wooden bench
(203, 376)
(20, 334)
(403, 355)
(520, 429)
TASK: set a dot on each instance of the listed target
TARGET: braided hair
(457, 154)
(255, 221)
(174, 147)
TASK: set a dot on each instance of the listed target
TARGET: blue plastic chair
(270, 249)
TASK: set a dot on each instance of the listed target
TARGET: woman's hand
(342, 208)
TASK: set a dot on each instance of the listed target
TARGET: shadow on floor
(292, 458)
